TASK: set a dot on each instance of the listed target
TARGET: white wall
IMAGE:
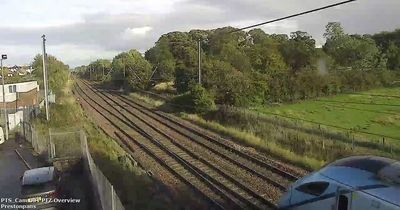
(20, 87)
(15, 119)
(26, 86)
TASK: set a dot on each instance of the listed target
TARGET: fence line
(73, 145)
(289, 131)
(106, 193)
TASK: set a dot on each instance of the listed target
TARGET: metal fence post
(23, 128)
(112, 198)
(49, 145)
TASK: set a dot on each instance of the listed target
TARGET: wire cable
(291, 16)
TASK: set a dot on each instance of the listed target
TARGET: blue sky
(80, 31)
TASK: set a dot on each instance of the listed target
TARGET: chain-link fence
(71, 144)
(306, 137)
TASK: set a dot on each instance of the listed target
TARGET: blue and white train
(354, 183)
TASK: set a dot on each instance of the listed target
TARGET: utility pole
(102, 65)
(46, 100)
(4, 57)
(199, 46)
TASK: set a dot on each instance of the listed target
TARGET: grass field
(324, 129)
(376, 111)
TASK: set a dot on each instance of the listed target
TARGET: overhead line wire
(291, 16)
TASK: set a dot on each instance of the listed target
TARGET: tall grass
(147, 99)
(314, 142)
(250, 139)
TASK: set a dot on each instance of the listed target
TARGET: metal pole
(46, 100)
(112, 198)
(199, 61)
(4, 102)
(102, 76)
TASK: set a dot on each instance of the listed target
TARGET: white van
(1, 135)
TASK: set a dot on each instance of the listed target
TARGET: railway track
(180, 170)
(236, 195)
(239, 161)
(262, 167)
(212, 172)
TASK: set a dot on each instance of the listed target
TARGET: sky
(81, 31)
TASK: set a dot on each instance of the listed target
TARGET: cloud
(131, 33)
(81, 31)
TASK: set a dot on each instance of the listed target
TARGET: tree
(299, 51)
(354, 51)
(162, 60)
(131, 68)
(333, 31)
(393, 56)
(265, 56)
(98, 69)
(57, 71)
(235, 56)
(257, 35)
(389, 43)
(231, 86)
(184, 77)
(201, 99)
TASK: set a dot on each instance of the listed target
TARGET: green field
(376, 111)
(324, 129)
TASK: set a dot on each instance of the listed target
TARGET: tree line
(253, 68)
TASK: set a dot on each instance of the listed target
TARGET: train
(352, 183)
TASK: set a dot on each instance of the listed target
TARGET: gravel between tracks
(186, 145)
(179, 191)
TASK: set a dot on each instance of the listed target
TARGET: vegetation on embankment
(359, 125)
(250, 139)
(250, 68)
(253, 69)
(134, 187)
(243, 137)
(132, 184)
(306, 144)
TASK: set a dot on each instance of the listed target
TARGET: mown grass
(365, 111)
(132, 184)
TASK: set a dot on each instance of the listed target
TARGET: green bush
(201, 99)
(197, 100)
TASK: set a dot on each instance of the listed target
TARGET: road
(11, 168)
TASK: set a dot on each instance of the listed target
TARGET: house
(19, 70)
(20, 100)
(14, 69)
(20, 95)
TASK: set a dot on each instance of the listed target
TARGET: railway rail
(164, 160)
(216, 178)
(177, 126)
